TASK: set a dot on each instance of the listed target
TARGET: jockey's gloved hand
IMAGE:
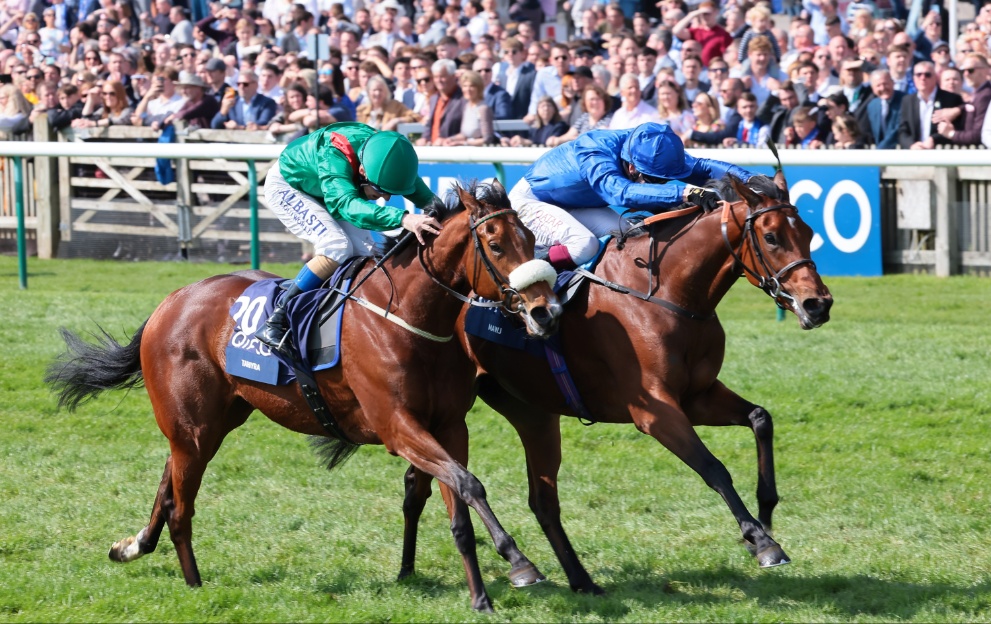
(703, 198)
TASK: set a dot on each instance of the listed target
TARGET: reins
(768, 280)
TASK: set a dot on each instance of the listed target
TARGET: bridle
(504, 283)
(768, 279)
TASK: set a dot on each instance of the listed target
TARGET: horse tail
(332, 451)
(85, 369)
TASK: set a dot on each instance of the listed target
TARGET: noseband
(506, 288)
(768, 279)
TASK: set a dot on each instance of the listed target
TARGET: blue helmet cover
(654, 149)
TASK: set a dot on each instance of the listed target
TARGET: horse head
(500, 262)
(775, 252)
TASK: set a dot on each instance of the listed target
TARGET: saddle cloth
(250, 359)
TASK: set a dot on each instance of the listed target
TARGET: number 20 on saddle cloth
(318, 346)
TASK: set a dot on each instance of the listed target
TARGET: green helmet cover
(390, 162)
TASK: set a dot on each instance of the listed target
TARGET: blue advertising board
(840, 204)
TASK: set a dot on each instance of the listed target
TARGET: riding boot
(273, 333)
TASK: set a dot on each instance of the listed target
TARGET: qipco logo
(837, 192)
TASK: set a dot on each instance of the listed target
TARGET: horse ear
(753, 199)
(498, 187)
(782, 184)
(468, 200)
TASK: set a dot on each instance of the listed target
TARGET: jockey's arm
(615, 189)
(706, 169)
(344, 201)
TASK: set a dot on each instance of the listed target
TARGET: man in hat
(323, 189)
(198, 109)
(565, 196)
(214, 74)
(852, 82)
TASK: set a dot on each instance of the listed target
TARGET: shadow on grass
(641, 587)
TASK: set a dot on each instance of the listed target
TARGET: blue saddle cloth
(318, 346)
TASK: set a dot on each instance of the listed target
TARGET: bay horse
(654, 362)
(394, 387)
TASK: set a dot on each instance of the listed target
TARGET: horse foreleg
(411, 442)
(146, 541)
(670, 426)
(464, 539)
(719, 407)
(541, 436)
(417, 485)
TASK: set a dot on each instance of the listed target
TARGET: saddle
(313, 331)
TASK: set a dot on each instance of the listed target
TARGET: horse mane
(760, 184)
(484, 192)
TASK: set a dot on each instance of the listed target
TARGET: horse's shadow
(636, 587)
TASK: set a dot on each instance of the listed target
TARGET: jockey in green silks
(324, 187)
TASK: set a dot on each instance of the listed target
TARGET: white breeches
(577, 229)
(307, 218)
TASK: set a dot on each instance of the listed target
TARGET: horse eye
(495, 247)
(769, 239)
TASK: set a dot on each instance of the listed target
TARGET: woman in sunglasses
(324, 188)
(565, 196)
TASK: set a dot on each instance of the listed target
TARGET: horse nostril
(817, 308)
(540, 315)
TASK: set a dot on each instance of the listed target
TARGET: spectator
(759, 18)
(941, 57)
(548, 80)
(182, 28)
(596, 115)
(29, 85)
(214, 74)
(884, 111)
(705, 109)
(692, 85)
(923, 110)
(633, 111)
(496, 98)
(106, 105)
(51, 37)
(548, 124)
(47, 100)
(846, 133)
(820, 11)
(776, 111)
(160, 101)
(268, 81)
(476, 121)
(729, 92)
(951, 80)
(852, 82)
(700, 25)
(380, 110)
(803, 130)
(199, 108)
(761, 79)
(898, 66)
(249, 110)
(569, 95)
(975, 71)
(750, 131)
(294, 101)
(446, 106)
(404, 89)
(425, 89)
(14, 111)
(931, 33)
(672, 107)
(70, 107)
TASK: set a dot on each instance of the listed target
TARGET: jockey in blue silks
(566, 195)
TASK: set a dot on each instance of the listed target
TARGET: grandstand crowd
(817, 74)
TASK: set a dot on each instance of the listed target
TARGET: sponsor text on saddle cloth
(247, 357)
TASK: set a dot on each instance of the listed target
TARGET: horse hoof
(772, 556)
(591, 589)
(404, 573)
(483, 605)
(526, 575)
(126, 550)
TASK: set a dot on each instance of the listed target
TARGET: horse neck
(421, 301)
(696, 269)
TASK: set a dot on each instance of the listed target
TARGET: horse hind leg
(417, 485)
(146, 541)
